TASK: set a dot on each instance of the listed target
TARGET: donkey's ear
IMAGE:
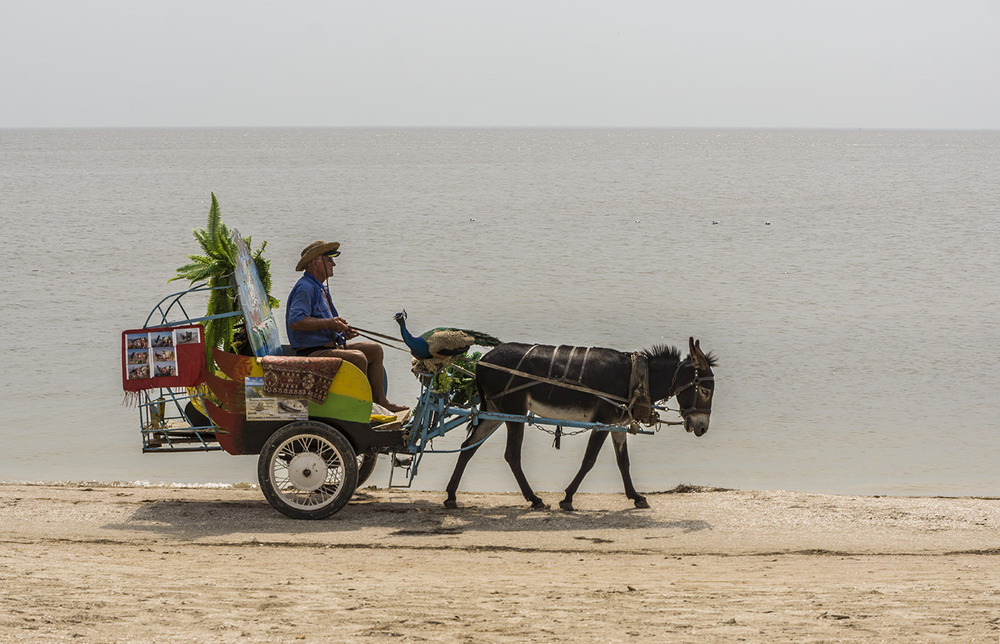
(697, 355)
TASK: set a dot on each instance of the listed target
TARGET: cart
(313, 451)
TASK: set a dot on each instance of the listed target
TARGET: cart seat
(299, 377)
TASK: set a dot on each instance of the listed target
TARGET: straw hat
(314, 250)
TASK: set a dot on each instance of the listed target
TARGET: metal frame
(177, 302)
(434, 416)
(155, 424)
(158, 436)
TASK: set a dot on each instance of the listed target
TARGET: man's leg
(376, 375)
(354, 356)
(368, 357)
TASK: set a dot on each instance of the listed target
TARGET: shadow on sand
(253, 519)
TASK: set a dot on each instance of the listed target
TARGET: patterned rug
(299, 377)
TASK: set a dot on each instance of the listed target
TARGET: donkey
(563, 382)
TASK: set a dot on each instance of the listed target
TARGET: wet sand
(106, 563)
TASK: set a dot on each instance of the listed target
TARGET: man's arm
(308, 323)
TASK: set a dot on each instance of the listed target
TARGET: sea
(846, 281)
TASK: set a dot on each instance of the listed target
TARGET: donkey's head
(694, 385)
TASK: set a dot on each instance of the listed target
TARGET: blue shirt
(310, 298)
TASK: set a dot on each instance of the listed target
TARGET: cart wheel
(307, 470)
(366, 465)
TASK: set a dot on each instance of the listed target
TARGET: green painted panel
(342, 407)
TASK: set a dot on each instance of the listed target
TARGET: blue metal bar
(434, 416)
(176, 301)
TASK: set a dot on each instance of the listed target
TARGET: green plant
(217, 268)
(459, 378)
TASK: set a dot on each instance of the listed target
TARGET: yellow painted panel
(351, 381)
(350, 396)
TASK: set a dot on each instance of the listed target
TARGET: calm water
(857, 331)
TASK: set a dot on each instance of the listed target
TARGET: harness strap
(583, 364)
(538, 380)
(640, 407)
(507, 390)
(552, 361)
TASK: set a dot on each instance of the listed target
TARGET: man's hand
(340, 325)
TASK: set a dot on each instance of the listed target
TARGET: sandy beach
(116, 563)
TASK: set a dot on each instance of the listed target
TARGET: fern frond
(199, 269)
(220, 301)
(205, 273)
(226, 244)
(263, 267)
(203, 239)
(218, 333)
(202, 260)
(214, 219)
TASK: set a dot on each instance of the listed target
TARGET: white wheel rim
(307, 471)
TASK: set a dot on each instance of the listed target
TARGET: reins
(374, 335)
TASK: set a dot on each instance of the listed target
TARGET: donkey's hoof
(566, 505)
(641, 503)
(539, 505)
(451, 504)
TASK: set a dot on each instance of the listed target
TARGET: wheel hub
(307, 471)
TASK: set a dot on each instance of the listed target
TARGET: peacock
(436, 348)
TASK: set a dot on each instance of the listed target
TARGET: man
(316, 329)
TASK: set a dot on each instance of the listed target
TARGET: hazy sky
(660, 63)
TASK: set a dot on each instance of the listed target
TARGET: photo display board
(162, 357)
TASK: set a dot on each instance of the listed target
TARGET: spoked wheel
(307, 470)
(366, 465)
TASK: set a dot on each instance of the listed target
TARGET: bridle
(699, 390)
